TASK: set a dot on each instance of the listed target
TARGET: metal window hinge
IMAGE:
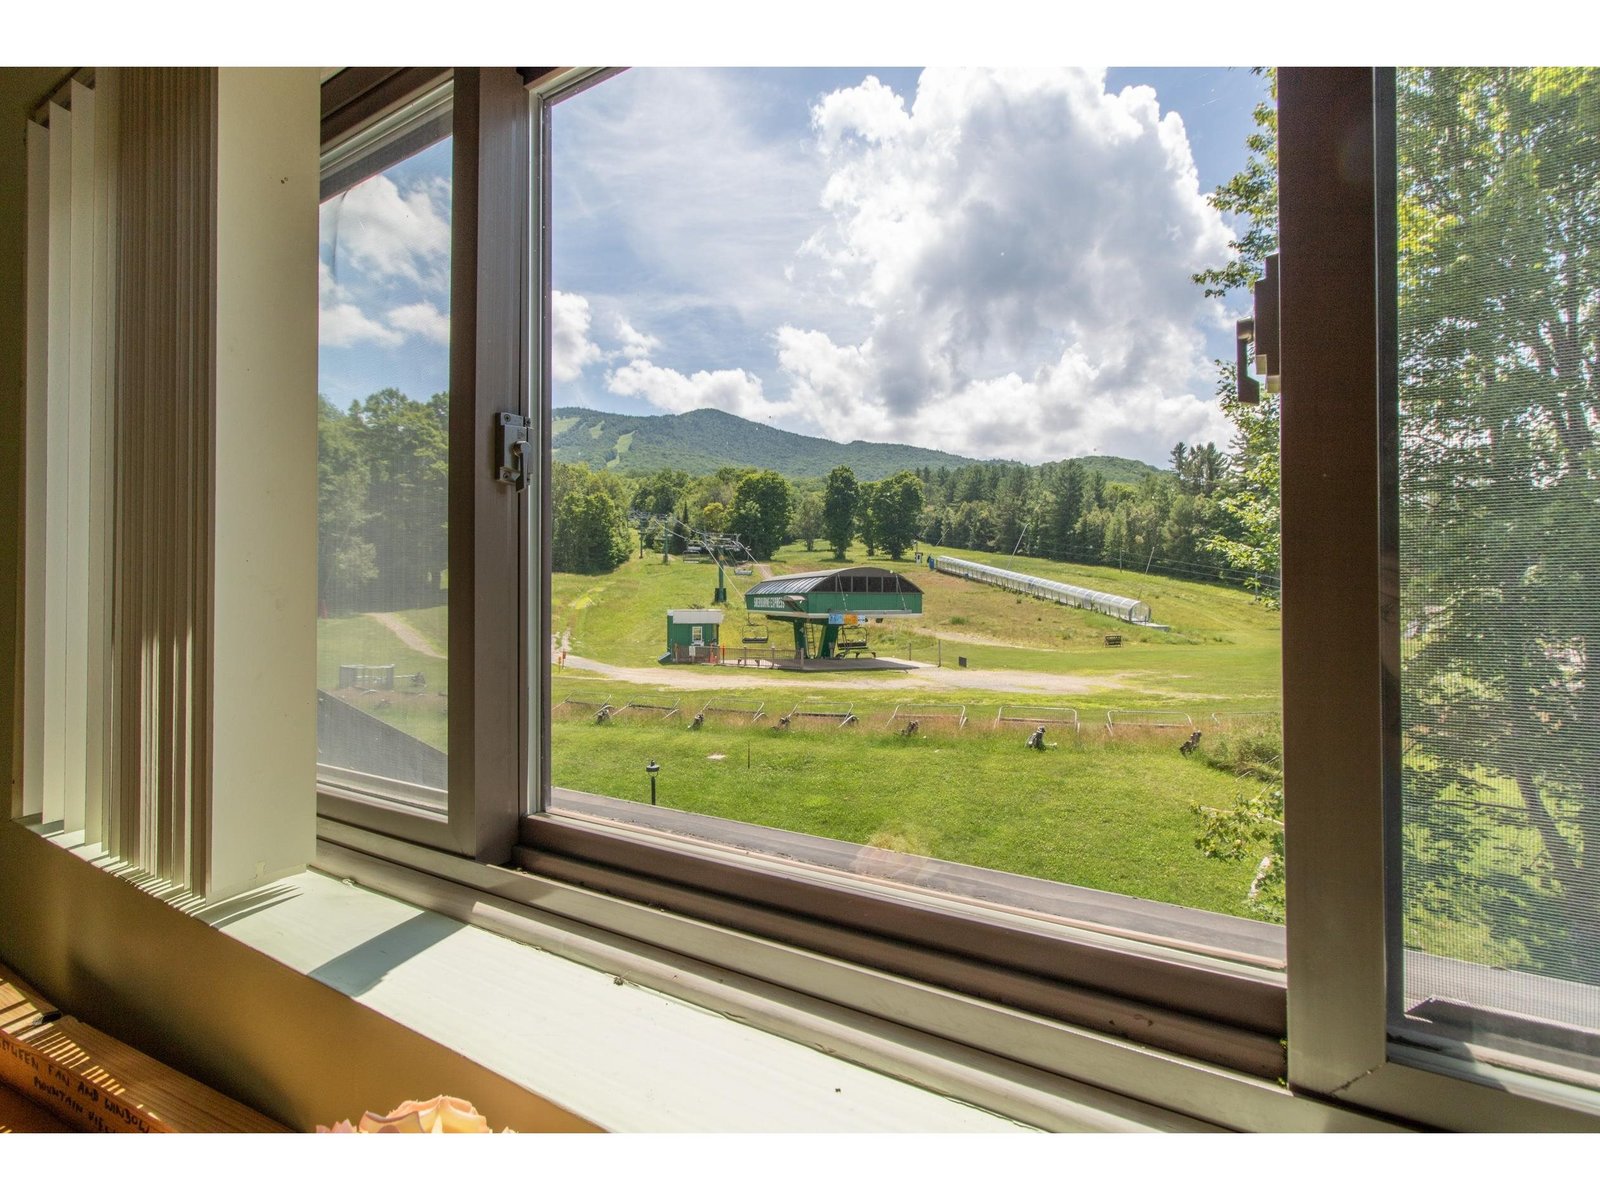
(515, 467)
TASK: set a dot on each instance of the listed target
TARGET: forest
(382, 543)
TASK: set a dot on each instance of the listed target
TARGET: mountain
(703, 440)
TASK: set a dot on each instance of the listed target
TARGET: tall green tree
(1251, 494)
(659, 493)
(590, 532)
(1500, 505)
(345, 558)
(867, 517)
(839, 503)
(809, 524)
(405, 446)
(897, 501)
(763, 505)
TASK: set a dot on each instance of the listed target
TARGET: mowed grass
(1112, 814)
(1222, 654)
(362, 640)
(1099, 811)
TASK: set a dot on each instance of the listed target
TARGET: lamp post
(651, 770)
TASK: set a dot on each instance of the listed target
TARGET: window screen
(382, 465)
(1499, 510)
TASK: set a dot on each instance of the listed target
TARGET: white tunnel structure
(1135, 612)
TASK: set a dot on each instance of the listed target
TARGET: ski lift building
(836, 601)
(1135, 612)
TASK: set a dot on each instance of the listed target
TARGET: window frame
(489, 364)
(1104, 1010)
(1341, 652)
(1136, 989)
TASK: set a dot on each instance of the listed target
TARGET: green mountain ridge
(707, 438)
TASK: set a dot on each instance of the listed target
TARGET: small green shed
(694, 635)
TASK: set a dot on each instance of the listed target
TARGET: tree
(659, 494)
(1251, 494)
(763, 505)
(405, 447)
(867, 517)
(839, 505)
(345, 559)
(1499, 490)
(897, 504)
(714, 517)
(590, 533)
(1253, 195)
(809, 523)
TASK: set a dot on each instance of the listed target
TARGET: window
(1499, 192)
(383, 456)
(1063, 991)
(420, 647)
(1387, 773)
(818, 827)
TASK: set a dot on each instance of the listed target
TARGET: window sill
(1034, 1070)
(625, 1057)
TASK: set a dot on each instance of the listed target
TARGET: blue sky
(992, 263)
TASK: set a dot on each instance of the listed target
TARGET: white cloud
(998, 265)
(381, 233)
(422, 319)
(340, 322)
(734, 391)
(871, 111)
(1023, 241)
(570, 347)
(634, 343)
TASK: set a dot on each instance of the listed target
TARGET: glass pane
(383, 406)
(1499, 212)
(894, 504)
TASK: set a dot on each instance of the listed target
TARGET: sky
(995, 263)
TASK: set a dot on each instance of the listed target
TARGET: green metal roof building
(833, 605)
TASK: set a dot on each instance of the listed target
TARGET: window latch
(1260, 330)
(514, 450)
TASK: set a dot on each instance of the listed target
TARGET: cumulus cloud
(871, 111)
(734, 391)
(422, 319)
(384, 232)
(635, 344)
(1023, 241)
(340, 322)
(996, 262)
(570, 347)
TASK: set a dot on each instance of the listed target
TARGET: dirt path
(406, 632)
(924, 678)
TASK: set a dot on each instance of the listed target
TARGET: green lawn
(1100, 813)
(1103, 812)
(1222, 654)
(360, 639)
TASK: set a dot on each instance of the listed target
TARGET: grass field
(1110, 812)
(1222, 653)
(1095, 812)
